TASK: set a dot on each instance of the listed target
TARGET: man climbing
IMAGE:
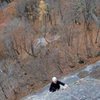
(55, 85)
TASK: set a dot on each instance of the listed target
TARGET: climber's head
(54, 79)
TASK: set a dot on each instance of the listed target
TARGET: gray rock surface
(84, 85)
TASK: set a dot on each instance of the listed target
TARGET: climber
(55, 85)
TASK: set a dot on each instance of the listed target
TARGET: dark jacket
(55, 86)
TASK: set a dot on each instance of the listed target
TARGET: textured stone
(87, 88)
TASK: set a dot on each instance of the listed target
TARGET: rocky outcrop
(83, 85)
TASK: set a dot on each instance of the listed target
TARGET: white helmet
(54, 79)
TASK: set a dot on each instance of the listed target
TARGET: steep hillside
(44, 38)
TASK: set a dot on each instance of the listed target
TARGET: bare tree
(97, 21)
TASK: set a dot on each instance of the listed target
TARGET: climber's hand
(65, 86)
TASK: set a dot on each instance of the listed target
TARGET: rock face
(84, 85)
(27, 58)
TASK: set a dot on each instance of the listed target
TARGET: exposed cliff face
(31, 52)
(81, 86)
